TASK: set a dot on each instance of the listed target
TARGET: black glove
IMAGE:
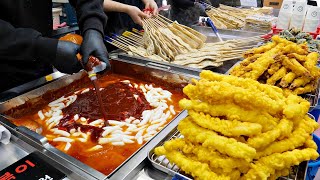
(93, 45)
(183, 4)
(66, 57)
(61, 54)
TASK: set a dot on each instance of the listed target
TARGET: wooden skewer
(121, 42)
(134, 39)
(169, 20)
(129, 40)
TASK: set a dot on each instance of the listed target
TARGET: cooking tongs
(209, 22)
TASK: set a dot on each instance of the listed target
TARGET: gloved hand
(93, 45)
(183, 4)
(66, 57)
(61, 54)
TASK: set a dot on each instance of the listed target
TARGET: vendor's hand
(136, 14)
(151, 4)
(66, 60)
(93, 45)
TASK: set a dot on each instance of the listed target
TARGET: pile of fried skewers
(226, 17)
(165, 40)
(240, 129)
(281, 63)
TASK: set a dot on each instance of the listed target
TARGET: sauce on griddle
(119, 104)
(117, 100)
(101, 107)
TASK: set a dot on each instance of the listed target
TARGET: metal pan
(137, 68)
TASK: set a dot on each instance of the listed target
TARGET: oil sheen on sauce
(118, 103)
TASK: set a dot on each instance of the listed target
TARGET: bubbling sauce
(119, 103)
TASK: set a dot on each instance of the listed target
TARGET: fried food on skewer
(311, 62)
(210, 156)
(225, 127)
(295, 66)
(301, 81)
(274, 68)
(273, 92)
(195, 168)
(230, 112)
(289, 66)
(300, 58)
(267, 165)
(287, 79)
(277, 76)
(297, 138)
(307, 88)
(282, 129)
(208, 140)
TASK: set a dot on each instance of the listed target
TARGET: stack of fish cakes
(240, 129)
(281, 63)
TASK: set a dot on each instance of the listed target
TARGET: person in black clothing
(26, 50)
(187, 12)
(126, 14)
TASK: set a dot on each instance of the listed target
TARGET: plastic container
(56, 16)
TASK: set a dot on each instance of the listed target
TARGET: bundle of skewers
(226, 17)
(165, 40)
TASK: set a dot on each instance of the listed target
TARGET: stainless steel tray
(139, 68)
(226, 34)
(162, 164)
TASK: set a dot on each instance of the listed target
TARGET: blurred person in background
(26, 50)
(127, 14)
(187, 12)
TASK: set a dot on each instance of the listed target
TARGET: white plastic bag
(285, 14)
(298, 15)
(312, 19)
(4, 135)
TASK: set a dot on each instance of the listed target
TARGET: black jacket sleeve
(24, 44)
(183, 4)
(90, 14)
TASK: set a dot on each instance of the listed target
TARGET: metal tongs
(208, 21)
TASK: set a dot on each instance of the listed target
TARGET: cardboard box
(273, 3)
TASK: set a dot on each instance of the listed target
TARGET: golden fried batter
(295, 66)
(225, 127)
(210, 139)
(301, 81)
(207, 155)
(232, 112)
(258, 67)
(311, 64)
(287, 79)
(277, 76)
(284, 128)
(306, 89)
(195, 168)
(267, 165)
(297, 139)
(218, 92)
(300, 58)
(274, 68)
(273, 92)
